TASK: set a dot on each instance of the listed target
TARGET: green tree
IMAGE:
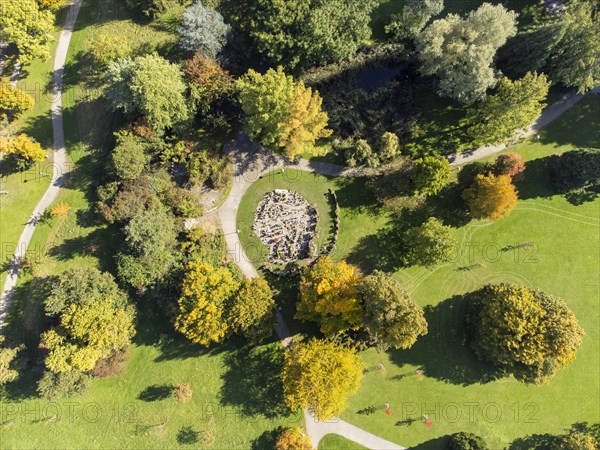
(152, 8)
(510, 111)
(491, 197)
(576, 60)
(527, 332)
(329, 296)
(466, 441)
(205, 293)
(431, 175)
(360, 153)
(320, 376)
(299, 34)
(460, 51)
(577, 174)
(54, 386)
(30, 28)
(283, 115)
(13, 101)
(83, 285)
(129, 157)
(415, 15)
(389, 146)
(203, 30)
(251, 312)
(9, 370)
(429, 244)
(150, 239)
(391, 317)
(149, 85)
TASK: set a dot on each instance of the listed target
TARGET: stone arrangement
(287, 224)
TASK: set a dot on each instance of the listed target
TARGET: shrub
(111, 365)
(54, 386)
(203, 30)
(530, 333)
(183, 392)
(389, 146)
(60, 210)
(491, 197)
(293, 439)
(361, 154)
(511, 164)
(466, 441)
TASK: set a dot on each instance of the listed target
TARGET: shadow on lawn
(268, 439)
(252, 381)
(550, 441)
(156, 392)
(442, 353)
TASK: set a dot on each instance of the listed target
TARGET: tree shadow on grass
(252, 381)
(578, 126)
(187, 436)
(442, 353)
(550, 441)
(156, 392)
(378, 251)
(268, 439)
(433, 444)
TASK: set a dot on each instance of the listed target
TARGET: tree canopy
(511, 110)
(329, 295)
(429, 244)
(460, 51)
(251, 313)
(431, 175)
(149, 85)
(320, 375)
(528, 332)
(283, 115)
(490, 196)
(13, 101)
(29, 27)
(391, 317)
(299, 34)
(203, 30)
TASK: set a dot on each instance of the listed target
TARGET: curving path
(61, 165)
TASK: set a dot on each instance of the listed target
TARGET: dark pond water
(371, 78)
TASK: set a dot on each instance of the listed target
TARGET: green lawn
(337, 442)
(564, 261)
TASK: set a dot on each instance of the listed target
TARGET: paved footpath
(61, 166)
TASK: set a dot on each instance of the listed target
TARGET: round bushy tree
(320, 375)
(511, 164)
(128, 157)
(391, 318)
(429, 244)
(466, 441)
(203, 30)
(530, 333)
(491, 197)
(293, 439)
(251, 313)
(431, 175)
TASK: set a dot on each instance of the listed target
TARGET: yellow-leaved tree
(206, 290)
(329, 295)
(26, 149)
(491, 197)
(320, 375)
(293, 439)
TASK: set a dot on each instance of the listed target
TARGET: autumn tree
(94, 320)
(511, 164)
(391, 317)
(320, 375)
(283, 115)
(530, 333)
(208, 80)
(299, 34)
(329, 295)
(460, 51)
(251, 312)
(13, 101)
(24, 149)
(205, 293)
(149, 85)
(293, 439)
(501, 117)
(431, 175)
(429, 244)
(491, 197)
(27, 26)
(203, 30)
(8, 364)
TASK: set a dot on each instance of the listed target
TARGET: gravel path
(61, 165)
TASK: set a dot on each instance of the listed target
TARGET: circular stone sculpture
(287, 224)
